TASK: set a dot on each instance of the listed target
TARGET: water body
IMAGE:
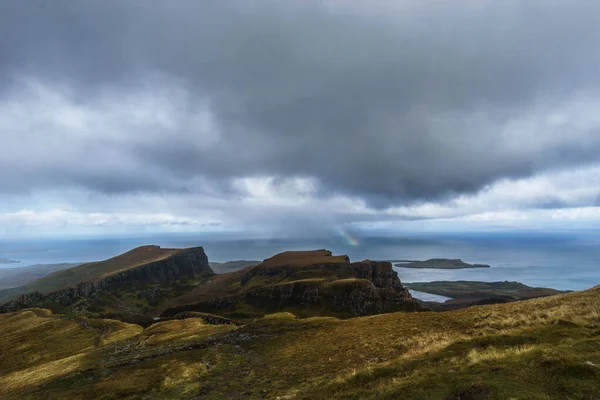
(428, 296)
(560, 261)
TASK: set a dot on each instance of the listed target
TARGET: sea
(559, 260)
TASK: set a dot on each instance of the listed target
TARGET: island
(440, 263)
(8, 261)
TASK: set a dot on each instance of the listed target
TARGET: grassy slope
(94, 270)
(536, 349)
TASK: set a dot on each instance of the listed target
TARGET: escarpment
(311, 283)
(139, 285)
(186, 263)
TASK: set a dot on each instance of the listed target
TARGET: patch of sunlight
(491, 353)
(426, 343)
(280, 316)
(122, 331)
(181, 373)
(40, 374)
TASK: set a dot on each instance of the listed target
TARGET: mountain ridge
(149, 265)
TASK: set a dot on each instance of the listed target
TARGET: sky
(298, 118)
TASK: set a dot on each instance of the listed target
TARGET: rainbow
(350, 238)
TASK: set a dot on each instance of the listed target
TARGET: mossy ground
(545, 348)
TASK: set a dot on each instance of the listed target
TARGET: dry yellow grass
(37, 346)
(181, 331)
(491, 353)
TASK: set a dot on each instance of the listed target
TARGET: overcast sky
(298, 117)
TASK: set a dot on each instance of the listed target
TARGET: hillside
(126, 287)
(547, 348)
(100, 269)
(74, 274)
(148, 282)
(307, 283)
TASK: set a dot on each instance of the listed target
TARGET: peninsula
(440, 263)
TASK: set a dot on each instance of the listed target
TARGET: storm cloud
(389, 104)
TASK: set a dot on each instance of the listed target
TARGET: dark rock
(475, 392)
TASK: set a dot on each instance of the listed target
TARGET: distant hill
(440, 263)
(231, 266)
(11, 277)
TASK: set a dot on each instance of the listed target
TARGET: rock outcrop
(380, 273)
(337, 287)
(188, 263)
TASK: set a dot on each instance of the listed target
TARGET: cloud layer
(298, 113)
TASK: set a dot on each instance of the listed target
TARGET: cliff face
(380, 273)
(336, 288)
(190, 263)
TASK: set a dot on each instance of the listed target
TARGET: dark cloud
(392, 102)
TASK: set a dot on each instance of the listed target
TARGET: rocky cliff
(187, 263)
(332, 285)
(380, 273)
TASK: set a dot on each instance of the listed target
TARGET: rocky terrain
(309, 283)
(440, 263)
(149, 281)
(186, 263)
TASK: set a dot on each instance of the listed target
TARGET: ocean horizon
(559, 261)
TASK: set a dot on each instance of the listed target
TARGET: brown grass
(303, 258)
(537, 349)
(100, 269)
